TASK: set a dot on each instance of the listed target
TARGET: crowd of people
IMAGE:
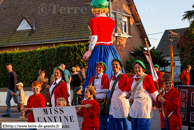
(108, 103)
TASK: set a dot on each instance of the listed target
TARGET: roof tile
(54, 20)
(164, 44)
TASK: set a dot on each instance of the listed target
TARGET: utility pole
(110, 8)
(172, 64)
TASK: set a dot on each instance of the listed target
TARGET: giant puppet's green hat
(99, 4)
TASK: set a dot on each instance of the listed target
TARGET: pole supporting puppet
(89, 28)
(154, 73)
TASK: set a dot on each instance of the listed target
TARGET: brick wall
(125, 45)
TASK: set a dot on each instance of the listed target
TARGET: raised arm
(94, 39)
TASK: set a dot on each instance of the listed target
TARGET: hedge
(27, 63)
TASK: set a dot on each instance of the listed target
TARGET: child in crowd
(21, 99)
(36, 100)
(91, 111)
(170, 98)
(61, 102)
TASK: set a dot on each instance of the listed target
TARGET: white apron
(142, 104)
(119, 107)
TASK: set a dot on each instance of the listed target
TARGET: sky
(160, 15)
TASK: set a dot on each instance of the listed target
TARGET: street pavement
(155, 122)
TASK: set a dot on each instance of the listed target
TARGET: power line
(155, 33)
(153, 39)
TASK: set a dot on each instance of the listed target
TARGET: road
(155, 122)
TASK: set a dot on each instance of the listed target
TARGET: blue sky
(160, 15)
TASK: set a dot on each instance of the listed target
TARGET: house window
(24, 25)
(121, 24)
(113, 16)
(125, 25)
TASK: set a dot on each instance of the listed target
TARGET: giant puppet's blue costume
(101, 40)
(101, 48)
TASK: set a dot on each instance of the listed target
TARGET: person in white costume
(119, 106)
(142, 89)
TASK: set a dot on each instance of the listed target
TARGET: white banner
(152, 70)
(67, 115)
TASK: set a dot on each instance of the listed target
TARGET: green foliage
(27, 63)
(138, 54)
(189, 15)
(129, 63)
(186, 47)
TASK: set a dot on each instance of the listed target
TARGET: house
(164, 47)
(31, 24)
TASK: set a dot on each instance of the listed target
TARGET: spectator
(44, 84)
(185, 75)
(143, 90)
(192, 77)
(35, 101)
(171, 100)
(52, 78)
(42, 69)
(61, 102)
(119, 106)
(86, 67)
(58, 87)
(21, 99)
(12, 81)
(83, 69)
(82, 73)
(77, 68)
(76, 82)
(68, 81)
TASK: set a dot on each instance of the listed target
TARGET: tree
(189, 15)
(138, 54)
(186, 46)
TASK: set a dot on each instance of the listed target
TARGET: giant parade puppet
(101, 47)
